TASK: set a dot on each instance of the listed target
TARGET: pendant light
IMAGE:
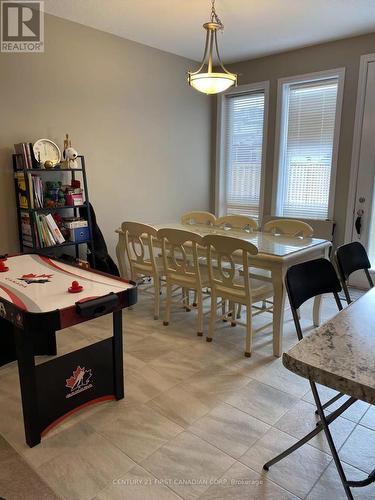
(211, 82)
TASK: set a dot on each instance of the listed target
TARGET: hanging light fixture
(210, 82)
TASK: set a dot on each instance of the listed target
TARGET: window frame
(281, 130)
(220, 179)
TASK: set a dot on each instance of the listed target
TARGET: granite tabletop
(341, 353)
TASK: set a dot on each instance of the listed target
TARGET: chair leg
(211, 326)
(233, 308)
(239, 307)
(157, 297)
(298, 314)
(195, 303)
(249, 330)
(199, 302)
(223, 308)
(168, 304)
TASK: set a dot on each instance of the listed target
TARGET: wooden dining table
(276, 253)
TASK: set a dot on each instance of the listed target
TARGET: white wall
(145, 134)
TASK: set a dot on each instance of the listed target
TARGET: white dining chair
(228, 285)
(237, 222)
(201, 218)
(289, 227)
(182, 271)
(139, 246)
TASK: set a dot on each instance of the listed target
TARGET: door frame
(365, 60)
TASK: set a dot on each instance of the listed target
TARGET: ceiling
(253, 28)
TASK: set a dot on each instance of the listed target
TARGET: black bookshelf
(73, 209)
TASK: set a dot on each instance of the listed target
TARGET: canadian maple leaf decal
(80, 377)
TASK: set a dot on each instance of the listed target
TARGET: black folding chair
(349, 258)
(304, 281)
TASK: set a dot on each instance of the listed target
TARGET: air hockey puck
(3, 267)
(75, 288)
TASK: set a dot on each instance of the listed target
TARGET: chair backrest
(139, 246)
(309, 279)
(239, 222)
(350, 258)
(202, 218)
(221, 263)
(323, 229)
(288, 227)
(175, 244)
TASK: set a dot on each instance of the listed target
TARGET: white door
(363, 228)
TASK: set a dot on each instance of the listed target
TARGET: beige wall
(343, 53)
(145, 134)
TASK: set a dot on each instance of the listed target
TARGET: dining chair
(237, 222)
(288, 227)
(350, 258)
(228, 285)
(182, 270)
(201, 218)
(139, 246)
(304, 281)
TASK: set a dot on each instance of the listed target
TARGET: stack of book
(27, 239)
(36, 190)
(48, 232)
(25, 155)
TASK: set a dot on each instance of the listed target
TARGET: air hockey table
(38, 297)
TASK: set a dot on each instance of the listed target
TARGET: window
(309, 126)
(242, 155)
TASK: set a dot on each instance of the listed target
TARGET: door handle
(358, 221)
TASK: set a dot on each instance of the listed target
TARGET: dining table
(276, 253)
(339, 355)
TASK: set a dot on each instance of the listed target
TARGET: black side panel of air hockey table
(55, 399)
(7, 342)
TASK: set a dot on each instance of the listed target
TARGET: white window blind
(307, 135)
(243, 149)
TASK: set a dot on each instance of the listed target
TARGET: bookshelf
(34, 222)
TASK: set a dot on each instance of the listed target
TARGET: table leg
(26, 370)
(316, 310)
(278, 274)
(118, 369)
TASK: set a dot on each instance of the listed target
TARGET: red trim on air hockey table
(13, 297)
(56, 422)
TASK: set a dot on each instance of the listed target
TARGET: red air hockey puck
(75, 288)
(3, 267)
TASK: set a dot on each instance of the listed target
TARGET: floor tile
(359, 449)
(368, 420)
(215, 383)
(179, 406)
(189, 464)
(271, 371)
(136, 484)
(354, 413)
(240, 482)
(301, 419)
(330, 486)
(261, 401)
(297, 473)
(83, 470)
(231, 430)
(138, 431)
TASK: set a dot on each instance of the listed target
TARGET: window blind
(243, 146)
(306, 149)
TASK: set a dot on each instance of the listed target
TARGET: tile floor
(198, 420)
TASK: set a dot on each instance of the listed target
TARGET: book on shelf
(26, 229)
(48, 231)
(25, 155)
(56, 233)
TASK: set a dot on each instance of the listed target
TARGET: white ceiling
(252, 27)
